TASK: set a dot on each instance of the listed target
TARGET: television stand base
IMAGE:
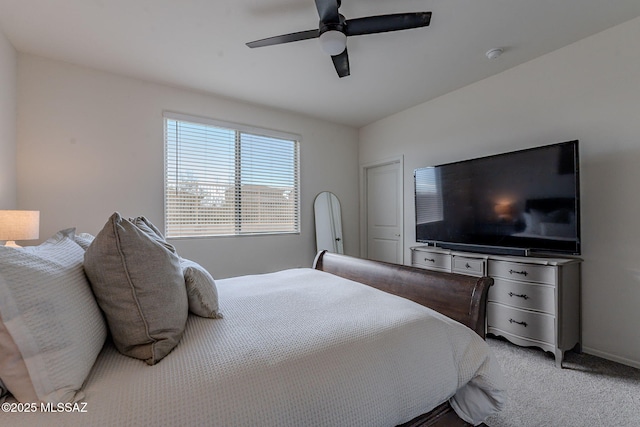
(495, 250)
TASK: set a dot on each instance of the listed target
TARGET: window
(223, 179)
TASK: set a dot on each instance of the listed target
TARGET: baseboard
(612, 357)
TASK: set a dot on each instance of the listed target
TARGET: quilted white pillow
(13, 369)
(48, 310)
(84, 240)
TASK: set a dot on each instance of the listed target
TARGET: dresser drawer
(528, 296)
(431, 260)
(469, 266)
(526, 324)
(524, 272)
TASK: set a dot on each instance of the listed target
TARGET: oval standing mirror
(328, 223)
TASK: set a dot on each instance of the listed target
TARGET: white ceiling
(200, 44)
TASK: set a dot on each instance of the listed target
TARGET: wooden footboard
(462, 298)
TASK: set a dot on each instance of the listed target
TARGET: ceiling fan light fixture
(333, 42)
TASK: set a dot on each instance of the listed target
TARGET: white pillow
(84, 240)
(13, 369)
(49, 312)
(202, 292)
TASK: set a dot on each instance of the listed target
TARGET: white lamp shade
(333, 42)
(19, 225)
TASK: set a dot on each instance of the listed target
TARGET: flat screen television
(518, 203)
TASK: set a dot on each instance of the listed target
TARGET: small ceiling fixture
(494, 53)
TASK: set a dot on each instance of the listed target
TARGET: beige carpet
(588, 391)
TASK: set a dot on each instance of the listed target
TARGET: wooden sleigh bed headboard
(462, 298)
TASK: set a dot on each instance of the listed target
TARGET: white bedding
(296, 348)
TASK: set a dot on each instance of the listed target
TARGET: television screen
(522, 201)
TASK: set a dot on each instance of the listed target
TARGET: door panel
(384, 212)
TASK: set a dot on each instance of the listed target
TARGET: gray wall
(588, 91)
(8, 76)
(91, 143)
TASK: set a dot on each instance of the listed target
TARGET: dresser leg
(559, 357)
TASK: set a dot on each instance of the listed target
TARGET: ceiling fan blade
(341, 62)
(285, 38)
(328, 11)
(384, 23)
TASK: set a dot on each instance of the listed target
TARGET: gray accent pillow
(152, 231)
(202, 292)
(139, 286)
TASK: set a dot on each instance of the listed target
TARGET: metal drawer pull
(467, 265)
(430, 259)
(525, 296)
(519, 323)
(524, 273)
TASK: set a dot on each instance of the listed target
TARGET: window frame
(238, 129)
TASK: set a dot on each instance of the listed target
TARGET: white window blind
(223, 179)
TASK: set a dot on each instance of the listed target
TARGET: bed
(328, 345)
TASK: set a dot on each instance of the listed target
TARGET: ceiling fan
(334, 29)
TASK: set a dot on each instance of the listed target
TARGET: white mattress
(295, 348)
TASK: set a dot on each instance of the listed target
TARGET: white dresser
(535, 301)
